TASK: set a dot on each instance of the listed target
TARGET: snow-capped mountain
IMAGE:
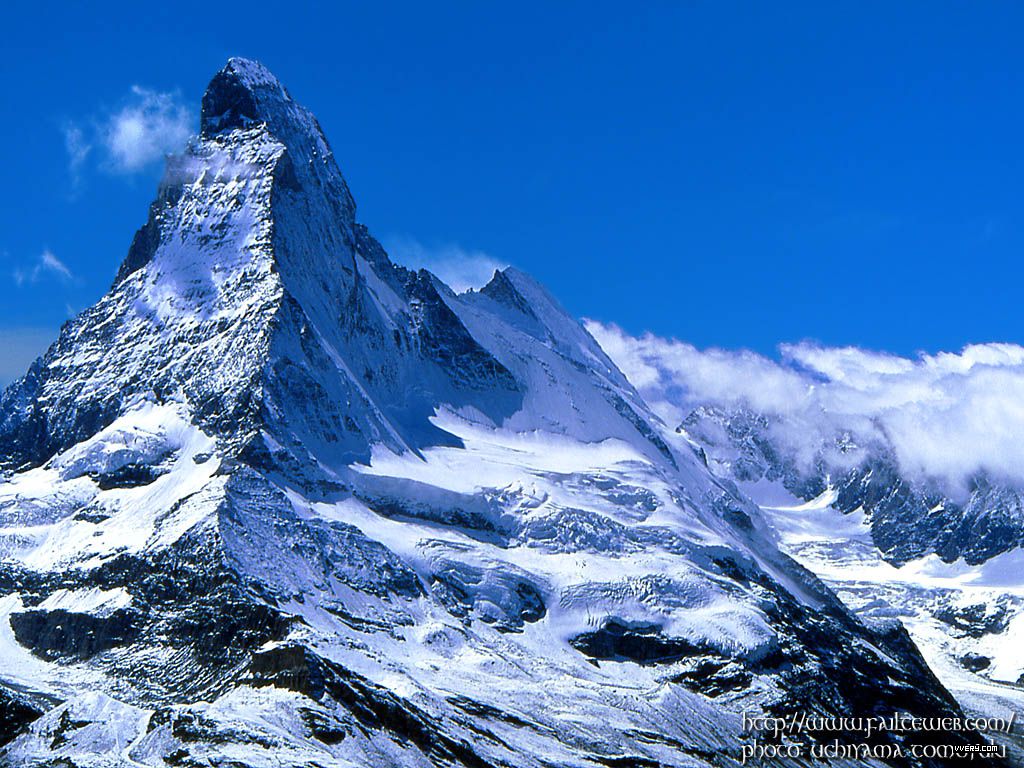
(275, 500)
(890, 544)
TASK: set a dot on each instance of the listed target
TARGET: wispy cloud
(46, 265)
(21, 346)
(149, 125)
(147, 129)
(946, 416)
(461, 269)
(78, 149)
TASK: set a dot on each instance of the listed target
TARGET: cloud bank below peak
(947, 417)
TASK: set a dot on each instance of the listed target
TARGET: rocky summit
(275, 500)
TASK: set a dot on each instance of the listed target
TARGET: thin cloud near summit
(46, 264)
(149, 125)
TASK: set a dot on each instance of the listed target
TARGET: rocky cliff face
(275, 500)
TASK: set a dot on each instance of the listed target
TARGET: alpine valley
(277, 501)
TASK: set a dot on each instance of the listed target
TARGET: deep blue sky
(729, 174)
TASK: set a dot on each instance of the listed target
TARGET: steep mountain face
(275, 500)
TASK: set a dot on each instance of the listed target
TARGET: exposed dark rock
(17, 711)
(65, 725)
(642, 643)
(87, 516)
(323, 728)
(714, 677)
(975, 620)
(502, 290)
(975, 662)
(228, 102)
(443, 338)
(64, 634)
(128, 476)
(292, 667)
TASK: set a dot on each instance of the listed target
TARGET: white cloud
(147, 127)
(50, 263)
(21, 346)
(46, 264)
(459, 268)
(946, 416)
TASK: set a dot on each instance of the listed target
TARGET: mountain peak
(245, 94)
(250, 71)
(241, 93)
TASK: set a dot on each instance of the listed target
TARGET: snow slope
(968, 620)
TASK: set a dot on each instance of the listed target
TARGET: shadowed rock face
(60, 633)
(644, 644)
(228, 103)
(276, 500)
(17, 712)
